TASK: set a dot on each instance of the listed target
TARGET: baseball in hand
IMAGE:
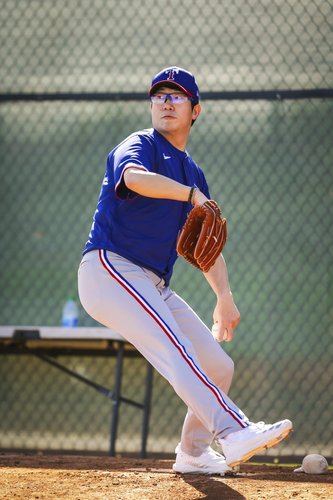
(313, 464)
(215, 329)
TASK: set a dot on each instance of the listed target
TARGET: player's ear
(196, 111)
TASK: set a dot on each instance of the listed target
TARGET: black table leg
(116, 399)
(146, 409)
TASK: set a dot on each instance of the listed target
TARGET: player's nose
(167, 103)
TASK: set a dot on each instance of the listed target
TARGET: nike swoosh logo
(166, 157)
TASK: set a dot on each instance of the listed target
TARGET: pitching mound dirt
(24, 476)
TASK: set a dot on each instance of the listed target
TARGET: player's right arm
(155, 185)
(226, 315)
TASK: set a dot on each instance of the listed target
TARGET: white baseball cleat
(209, 462)
(240, 446)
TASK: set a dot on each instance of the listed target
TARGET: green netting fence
(73, 82)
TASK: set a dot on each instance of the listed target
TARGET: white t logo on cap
(171, 73)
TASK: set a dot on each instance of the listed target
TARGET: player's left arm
(226, 315)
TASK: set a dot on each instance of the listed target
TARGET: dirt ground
(26, 476)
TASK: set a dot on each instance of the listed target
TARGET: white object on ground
(313, 464)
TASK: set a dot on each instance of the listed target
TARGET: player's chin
(169, 121)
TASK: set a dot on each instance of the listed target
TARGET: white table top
(63, 333)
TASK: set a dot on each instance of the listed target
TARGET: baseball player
(150, 185)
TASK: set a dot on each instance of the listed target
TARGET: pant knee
(226, 374)
(230, 368)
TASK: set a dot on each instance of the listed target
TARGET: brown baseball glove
(203, 236)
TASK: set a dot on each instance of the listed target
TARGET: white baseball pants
(136, 303)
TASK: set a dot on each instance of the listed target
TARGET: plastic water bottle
(70, 313)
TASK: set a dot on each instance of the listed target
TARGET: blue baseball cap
(179, 77)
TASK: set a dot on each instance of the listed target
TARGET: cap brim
(168, 82)
(299, 469)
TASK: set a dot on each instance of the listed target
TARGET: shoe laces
(260, 424)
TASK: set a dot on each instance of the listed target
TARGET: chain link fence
(268, 162)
